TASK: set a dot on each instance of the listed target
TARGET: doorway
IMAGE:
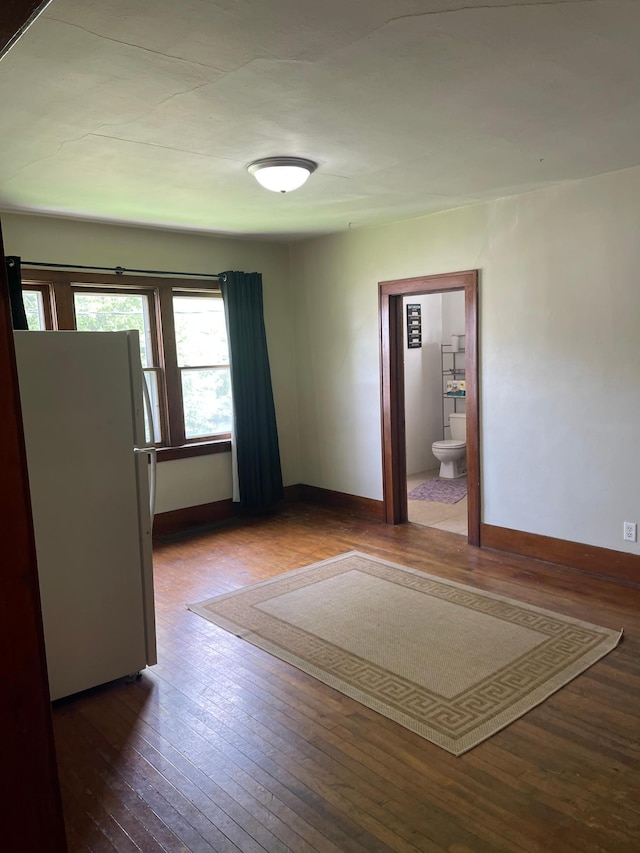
(394, 464)
(434, 380)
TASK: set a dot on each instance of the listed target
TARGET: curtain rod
(122, 270)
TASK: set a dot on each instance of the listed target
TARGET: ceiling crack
(508, 4)
(59, 148)
(153, 107)
(223, 72)
(164, 147)
(136, 46)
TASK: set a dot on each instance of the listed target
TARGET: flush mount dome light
(282, 174)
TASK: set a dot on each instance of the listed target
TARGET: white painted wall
(452, 315)
(559, 352)
(423, 385)
(559, 346)
(188, 482)
(199, 480)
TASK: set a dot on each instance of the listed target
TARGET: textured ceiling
(149, 112)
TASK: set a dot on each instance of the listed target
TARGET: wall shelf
(452, 366)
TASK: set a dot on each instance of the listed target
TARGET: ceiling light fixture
(282, 174)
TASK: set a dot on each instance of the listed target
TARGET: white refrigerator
(83, 412)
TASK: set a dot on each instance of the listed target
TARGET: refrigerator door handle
(153, 458)
(150, 448)
(152, 482)
(147, 403)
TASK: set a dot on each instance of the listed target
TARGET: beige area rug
(451, 663)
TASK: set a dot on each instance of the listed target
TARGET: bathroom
(434, 390)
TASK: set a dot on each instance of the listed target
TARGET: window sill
(201, 448)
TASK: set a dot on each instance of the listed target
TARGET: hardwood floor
(221, 747)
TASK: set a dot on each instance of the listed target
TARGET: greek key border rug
(449, 662)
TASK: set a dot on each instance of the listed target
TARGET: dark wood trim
(173, 384)
(591, 559)
(123, 289)
(292, 493)
(365, 508)
(108, 280)
(472, 408)
(181, 520)
(600, 562)
(440, 283)
(31, 802)
(178, 521)
(161, 361)
(17, 16)
(64, 312)
(203, 448)
(394, 454)
(159, 292)
(394, 451)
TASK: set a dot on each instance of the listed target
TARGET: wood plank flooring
(221, 747)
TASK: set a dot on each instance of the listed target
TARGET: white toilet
(452, 452)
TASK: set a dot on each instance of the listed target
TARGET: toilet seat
(450, 443)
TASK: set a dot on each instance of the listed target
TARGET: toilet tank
(458, 424)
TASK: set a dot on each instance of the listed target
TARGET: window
(37, 306)
(183, 344)
(203, 362)
(118, 311)
(34, 309)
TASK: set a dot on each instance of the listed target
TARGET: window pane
(34, 309)
(201, 333)
(116, 312)
(151, 379)
(206, 396)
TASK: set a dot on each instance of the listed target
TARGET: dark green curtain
(255, 433)
(14, 278)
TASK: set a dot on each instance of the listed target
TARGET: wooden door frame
(31, 793)
(17, 17)
(394, 449)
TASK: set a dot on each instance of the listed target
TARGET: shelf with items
(453, 381)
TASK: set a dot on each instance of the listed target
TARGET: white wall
(423, 385)
(452, 315)
(199, 480)
(559, 350)
(559, 346)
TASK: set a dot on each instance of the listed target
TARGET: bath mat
(442, 491)
(451, 663)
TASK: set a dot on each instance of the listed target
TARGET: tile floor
(451, 517)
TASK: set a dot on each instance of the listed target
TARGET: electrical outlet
(630, 531)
